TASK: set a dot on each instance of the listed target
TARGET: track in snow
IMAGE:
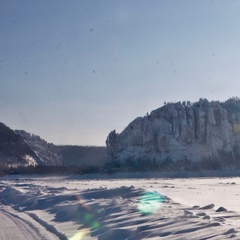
(17, 225)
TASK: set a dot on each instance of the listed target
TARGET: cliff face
(199, 135)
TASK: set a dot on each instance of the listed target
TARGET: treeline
(168, 165)
(73, 155)
(223, 162)
(55, 170)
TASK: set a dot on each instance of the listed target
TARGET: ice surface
(78, 208)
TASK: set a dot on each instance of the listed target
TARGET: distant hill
(14, 150)
(180, 136)
(20, 149)
(47, 153)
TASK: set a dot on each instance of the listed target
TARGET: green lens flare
(149, 203)
(87, 218)
(95, 225)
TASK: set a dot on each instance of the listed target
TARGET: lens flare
(149, 203)
(81, 234)
(95, 225)
(88, 218)
(82, 202)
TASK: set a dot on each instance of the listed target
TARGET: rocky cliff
(183, 135)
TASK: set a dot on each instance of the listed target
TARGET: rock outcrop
(202, 135)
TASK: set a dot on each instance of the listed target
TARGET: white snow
(30, 160)
(78, 207)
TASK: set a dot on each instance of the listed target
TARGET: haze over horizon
(71, 72)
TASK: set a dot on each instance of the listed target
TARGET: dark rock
(210, 206)
(221, 209)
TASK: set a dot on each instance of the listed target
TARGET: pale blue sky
(72, 71)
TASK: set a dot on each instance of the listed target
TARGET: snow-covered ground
(75, 208)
